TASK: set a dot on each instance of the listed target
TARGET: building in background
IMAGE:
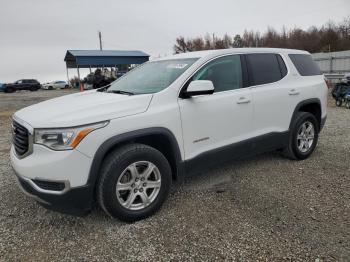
(334, 64)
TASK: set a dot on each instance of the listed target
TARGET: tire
(50, 88)
(347, 105)
(66, 86)
(33, 88)
(338, 102)
(119, 165)
(300, 146)
(9, 90)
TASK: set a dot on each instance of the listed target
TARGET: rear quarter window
(305, 65)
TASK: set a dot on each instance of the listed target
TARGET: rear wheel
(303, 136)
(339, 102)
(135, 181)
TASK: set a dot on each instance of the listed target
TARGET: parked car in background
(1, 87)
(22, 84)
(55, 85)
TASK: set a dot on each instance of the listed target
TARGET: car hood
(83, 108)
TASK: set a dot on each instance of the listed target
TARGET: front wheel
(303, 136)
(135, 181)
(9, 90)
(338, 102)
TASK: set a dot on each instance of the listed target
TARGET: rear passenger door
(274, 94)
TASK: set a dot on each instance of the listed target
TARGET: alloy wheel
(306, 136)
(138, 185)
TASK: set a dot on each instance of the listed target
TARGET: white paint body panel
(213, 121)
(217, 117)
(82, 108)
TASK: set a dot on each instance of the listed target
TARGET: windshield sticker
(177, 66)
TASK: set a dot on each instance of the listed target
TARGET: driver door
(222, 119)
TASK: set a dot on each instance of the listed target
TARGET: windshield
(152, 77)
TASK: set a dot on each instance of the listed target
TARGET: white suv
(124, 144)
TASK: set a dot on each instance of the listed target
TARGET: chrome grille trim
(22, 138)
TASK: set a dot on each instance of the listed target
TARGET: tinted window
(224, 72)
(305, 65)
(265, 68)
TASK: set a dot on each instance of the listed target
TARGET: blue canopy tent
(102, 58)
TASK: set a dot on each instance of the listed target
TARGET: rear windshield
(305, 65)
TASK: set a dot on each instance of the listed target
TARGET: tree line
(329, 37)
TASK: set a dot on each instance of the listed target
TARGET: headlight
(64, 138)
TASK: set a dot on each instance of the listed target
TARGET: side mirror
(199, 87)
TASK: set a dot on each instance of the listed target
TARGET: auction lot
(261, 208)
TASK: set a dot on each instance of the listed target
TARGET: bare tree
(328, 37)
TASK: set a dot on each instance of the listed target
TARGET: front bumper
(75, 201)
(56, 179)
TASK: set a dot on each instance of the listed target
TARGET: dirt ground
(265, 208)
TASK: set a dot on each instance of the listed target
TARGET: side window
(224, 72)
(305, 65)
(265, 68)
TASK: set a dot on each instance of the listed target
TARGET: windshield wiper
(121, 92)
(104, 88)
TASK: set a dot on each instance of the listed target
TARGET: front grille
(20, 138)
(49, 185)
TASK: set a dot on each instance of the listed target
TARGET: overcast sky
(35, 34)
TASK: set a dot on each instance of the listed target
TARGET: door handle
(293, 92)
(243, 100)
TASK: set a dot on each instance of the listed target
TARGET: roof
(99, 58)
(216, 52)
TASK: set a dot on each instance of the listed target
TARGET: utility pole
(100, 37)
(213, 41)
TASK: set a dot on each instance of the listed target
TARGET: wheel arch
(312, 106)
(160, 138)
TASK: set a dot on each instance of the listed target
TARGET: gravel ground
(263, 208)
